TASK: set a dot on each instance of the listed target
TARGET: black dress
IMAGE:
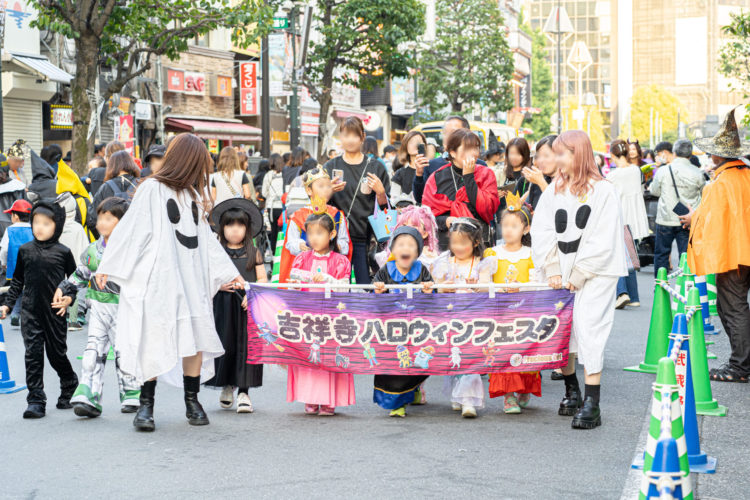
(231, 324)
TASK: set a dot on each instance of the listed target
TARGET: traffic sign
(280, 23)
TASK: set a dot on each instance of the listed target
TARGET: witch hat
(726, 143)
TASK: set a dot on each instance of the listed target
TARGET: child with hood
(42, 264)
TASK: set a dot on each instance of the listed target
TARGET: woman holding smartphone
(411, 154)
(358, 183)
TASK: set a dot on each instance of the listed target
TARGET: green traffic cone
(711, 289)
(683, 263)
(705, 404)
(659, 328)
(666, 379)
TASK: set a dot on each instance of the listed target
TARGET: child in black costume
(394, 392)
(42, 264)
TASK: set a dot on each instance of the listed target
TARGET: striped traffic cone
(665, 477)
(688, 284)
(708, 327)
(7, 384)
(705, 404)
(711, 290)
(658, 330)
(669, 409)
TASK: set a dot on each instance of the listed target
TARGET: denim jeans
(665, 235)
(359, 263)
(628, 284)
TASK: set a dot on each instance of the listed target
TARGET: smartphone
(338, 174)
(420, 149)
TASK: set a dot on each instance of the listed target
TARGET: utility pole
(559, 64)
(2, 44)
(294, 99)
(265, 105)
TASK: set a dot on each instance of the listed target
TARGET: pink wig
(584, 170)
(420, 218)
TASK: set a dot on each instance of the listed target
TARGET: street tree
(542, 95)
(592, 122)
(657, 98)
(126, 35)
(469, 63)
(361, 43)
(734, 57)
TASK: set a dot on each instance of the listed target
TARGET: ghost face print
(189, 241)
(570, 226)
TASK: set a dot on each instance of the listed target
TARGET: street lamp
(558, 24)
(579, 61)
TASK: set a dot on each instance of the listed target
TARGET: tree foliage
(469, 62)
(734, 57)
(542, 94)
(360, 43)
(126, 35)
(592, 123)
(661, 100)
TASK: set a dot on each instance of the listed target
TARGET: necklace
(453, 176)
(455, 263)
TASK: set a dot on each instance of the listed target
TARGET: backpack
(118, 188)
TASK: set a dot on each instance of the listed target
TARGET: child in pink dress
(321, 391)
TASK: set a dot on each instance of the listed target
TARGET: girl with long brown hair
(169, 265)
(230, 180)
(578, 241)
(120, 178)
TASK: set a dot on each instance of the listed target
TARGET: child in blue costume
(394, 392)
(17, 234)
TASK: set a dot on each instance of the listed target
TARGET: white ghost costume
(582, 239)
(169, 265)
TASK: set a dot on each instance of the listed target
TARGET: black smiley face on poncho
(563, 230)
(173, 212)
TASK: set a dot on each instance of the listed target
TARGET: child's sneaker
(244, 405)
(311, 409)
(399, 412)
(511, 405)
(74, 326)
(468, 411)
(523, 400)
(327, 411)
(456, 406)
(226, 399)
(419, 396)
(130, 401)
(85, 403)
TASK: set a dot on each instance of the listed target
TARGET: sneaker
(634, 304)
(456, 406)
(399, 412)
(327, 411)
(468, 411)
(244, 405)
(129, 408)
(74, 326)
(312, 409)
(556, 375)
(226, 399)
(420, 398)
(622, 300)
(15, 321)
(523, 400)
(511, 405)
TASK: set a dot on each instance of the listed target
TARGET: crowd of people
(158, 257)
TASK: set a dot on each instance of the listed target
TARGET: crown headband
(513, 203)
(463, 220)
(315, 174)
(319, 207)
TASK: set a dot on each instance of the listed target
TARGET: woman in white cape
(577, 240)
(169, 266)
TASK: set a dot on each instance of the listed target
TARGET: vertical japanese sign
(277, 62)
(126, 132)
(249, 89)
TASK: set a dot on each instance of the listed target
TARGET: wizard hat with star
(726, 143)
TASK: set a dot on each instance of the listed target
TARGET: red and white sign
(175, 80)
(126, 132)
(309, 123)
(195, 83)
(249, 89)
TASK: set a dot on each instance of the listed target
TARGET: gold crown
(513, 202)
(318, 205)
(313, 175)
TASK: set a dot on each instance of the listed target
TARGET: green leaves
(470, 62)
(734, 56)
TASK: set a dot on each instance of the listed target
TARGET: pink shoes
(311, 409)
(322, 410)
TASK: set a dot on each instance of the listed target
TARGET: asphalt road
(278, 452)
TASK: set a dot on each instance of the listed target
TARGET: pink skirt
(319, 387)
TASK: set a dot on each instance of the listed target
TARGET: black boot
(144, 418)
(193, 409)
(66, 392)
(572, 400)
(589, 416)
(556, 376)
(34, 410)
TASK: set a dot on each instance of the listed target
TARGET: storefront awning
(223, 131)
(38, 66)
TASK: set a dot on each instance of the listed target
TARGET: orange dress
(719, 236)
(513, 267)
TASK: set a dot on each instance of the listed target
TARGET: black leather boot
(144, 417)
(194, 412)
(35, 410)
(589, 416)
(572, 400)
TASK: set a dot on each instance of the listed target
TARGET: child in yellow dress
(514, 265)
